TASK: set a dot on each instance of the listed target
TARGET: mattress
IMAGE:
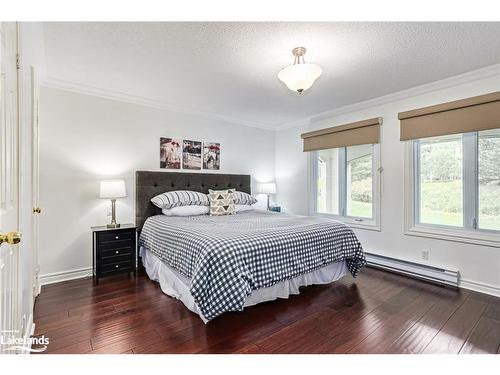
(178, 286)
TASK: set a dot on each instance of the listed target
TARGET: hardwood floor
(378, 312)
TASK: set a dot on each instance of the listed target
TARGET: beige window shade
(356, 133)
(461, 116)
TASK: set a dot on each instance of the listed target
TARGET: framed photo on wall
(211, 156)
(170, 153)
(191, 154)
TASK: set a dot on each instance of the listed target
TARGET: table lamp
(267, 188)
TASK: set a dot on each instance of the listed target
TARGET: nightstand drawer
(115, 267)
(117, 251)
(115, 239)
(114, 236)
(116, 259)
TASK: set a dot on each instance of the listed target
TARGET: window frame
(372, 223)
(470, 231)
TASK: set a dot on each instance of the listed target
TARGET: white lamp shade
(267, 188)
(300, 77)
(112, 189)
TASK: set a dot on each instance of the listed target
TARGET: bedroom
(250, 187)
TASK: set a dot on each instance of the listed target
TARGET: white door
(10, 295)
(35, 160)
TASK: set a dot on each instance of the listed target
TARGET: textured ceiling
(230, 68)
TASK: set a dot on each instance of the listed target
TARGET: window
(452, 174)
(343, 183)
(456, 181)
(489, 179)
(359, 181)
(328, 181)
(440, 181)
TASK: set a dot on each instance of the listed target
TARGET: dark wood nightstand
(114, 250)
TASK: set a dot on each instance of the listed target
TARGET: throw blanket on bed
(226, 257)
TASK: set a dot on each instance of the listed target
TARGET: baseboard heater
(416, 270)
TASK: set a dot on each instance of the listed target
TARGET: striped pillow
(178, 198)
(243, 198)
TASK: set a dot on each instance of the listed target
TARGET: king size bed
(215, 264)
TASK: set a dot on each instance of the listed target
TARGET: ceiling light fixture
(299, 76)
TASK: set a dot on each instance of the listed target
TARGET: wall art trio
(189, 154)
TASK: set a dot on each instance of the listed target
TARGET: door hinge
(18, 61)
(474, 223)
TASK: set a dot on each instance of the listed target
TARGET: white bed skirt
(177, 285)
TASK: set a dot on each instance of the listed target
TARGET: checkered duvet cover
(226, 257)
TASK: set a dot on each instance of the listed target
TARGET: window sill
(455, 235)
(365, 224)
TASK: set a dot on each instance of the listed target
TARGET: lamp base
(113, 223)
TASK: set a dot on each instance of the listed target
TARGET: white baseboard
(56, 277)
(480, 287)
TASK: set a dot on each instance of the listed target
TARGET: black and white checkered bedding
(226, 257)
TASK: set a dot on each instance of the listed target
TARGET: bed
(225, 263)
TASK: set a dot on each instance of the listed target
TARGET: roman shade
(460, 116)
(355, 133)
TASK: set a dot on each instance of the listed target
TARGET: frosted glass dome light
(300, 76)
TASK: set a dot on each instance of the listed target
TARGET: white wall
(85, 139)
(479, 265)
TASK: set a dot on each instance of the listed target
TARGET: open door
(10, 288)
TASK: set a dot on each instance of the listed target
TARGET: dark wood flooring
(378, 312)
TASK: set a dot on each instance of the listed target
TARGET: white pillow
(186, 211)
(244, 207)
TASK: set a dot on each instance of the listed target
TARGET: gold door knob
(11, 238)
(37, 210)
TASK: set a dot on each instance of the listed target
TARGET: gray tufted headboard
(149, 184)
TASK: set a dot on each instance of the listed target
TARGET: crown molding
(489, 71)
(304, 121)
(474, 75)
(79, 88)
